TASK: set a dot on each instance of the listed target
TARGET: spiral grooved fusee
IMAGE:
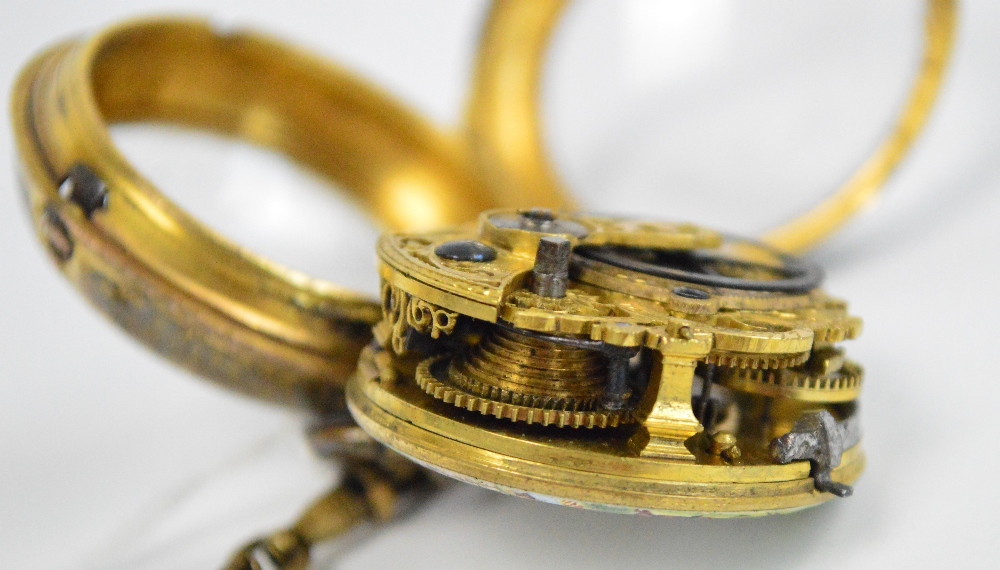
(511, 367)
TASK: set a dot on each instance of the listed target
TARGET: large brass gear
(529, 414)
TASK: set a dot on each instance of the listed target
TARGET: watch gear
(826, 377)
(530, 414)
(754, 361)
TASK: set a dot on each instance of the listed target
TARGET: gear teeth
(515, 412)
(846, 330)
(798, 383)
(756, 361)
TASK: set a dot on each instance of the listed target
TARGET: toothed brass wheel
(826, 377)
(427, 379)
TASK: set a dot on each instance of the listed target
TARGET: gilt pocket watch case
(618, 364)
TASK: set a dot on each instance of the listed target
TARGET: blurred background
(735, 115)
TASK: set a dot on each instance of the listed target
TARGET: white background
(732, 114)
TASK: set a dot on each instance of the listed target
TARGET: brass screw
(724, 445)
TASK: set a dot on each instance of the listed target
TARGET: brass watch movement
(613, 364)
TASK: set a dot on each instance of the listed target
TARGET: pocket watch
(624, 365)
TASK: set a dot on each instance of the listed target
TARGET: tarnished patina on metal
(176, 285)
(369, 492)
(822, 440)
(697, 387)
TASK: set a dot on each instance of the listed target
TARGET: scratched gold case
(623, 365)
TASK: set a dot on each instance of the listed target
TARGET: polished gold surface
(238, 318)
(180, 288)
(476, 370)
(599, 475)
(720, 345)
(502, 116)
(505, 129)
(865, 184)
